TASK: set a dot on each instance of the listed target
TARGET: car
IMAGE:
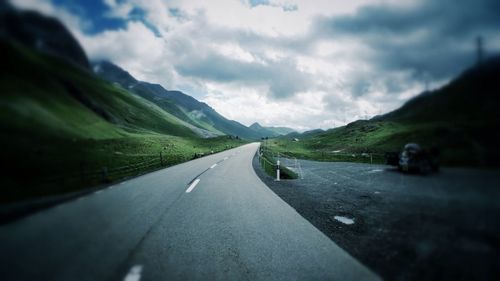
(414, 158)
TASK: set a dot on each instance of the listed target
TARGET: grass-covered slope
(177, 103)
(462, 119)
(53, 97)
(63, 128)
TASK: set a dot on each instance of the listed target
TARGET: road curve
(207, 219)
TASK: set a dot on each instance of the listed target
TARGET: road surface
(442, 226)
(207, 219)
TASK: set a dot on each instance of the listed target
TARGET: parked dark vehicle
(415, 159)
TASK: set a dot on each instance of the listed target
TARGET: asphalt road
(442, 226)
(161, 226)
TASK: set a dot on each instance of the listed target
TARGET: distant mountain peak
(256, 125)
(270, 131)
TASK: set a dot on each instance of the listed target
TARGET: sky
(303, 64)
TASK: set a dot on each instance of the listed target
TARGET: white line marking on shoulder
(192, 186)
(134, 274)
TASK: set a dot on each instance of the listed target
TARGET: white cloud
(135, 48)
(248, 105)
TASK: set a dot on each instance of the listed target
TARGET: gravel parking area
(443, 226)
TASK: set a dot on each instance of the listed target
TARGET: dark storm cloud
(434, 38)
(444, 16)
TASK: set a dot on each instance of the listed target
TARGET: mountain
(183, 106)
(262, 131)
(461, 119)
(45, 34)
(45, 94)
(270, 131)
(472, 98)
(48, 88)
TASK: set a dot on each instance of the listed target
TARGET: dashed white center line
(192, 186)
(134, 273)
(225, 158)
(213, 166)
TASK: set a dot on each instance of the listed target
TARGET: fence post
(161, 158)
(278, 170)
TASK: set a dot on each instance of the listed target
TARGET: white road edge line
(192, 186)
(213, 166)
(134, 274)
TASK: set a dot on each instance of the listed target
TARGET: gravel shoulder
(442, 226)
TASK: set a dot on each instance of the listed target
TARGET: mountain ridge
(183, 106)
(270, 131)
(43, 33)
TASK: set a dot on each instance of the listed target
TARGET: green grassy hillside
(179, 104)
(64, 129)
(53, 97)
(462, 119)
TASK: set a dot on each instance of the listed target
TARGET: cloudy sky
(299, 63)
